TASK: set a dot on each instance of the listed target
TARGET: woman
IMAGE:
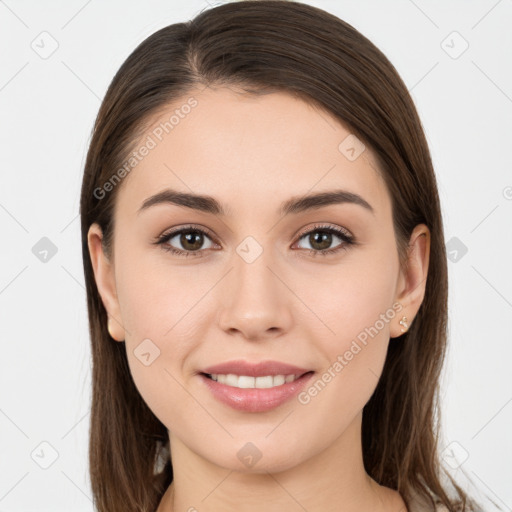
(301, 377)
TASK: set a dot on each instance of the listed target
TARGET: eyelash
(348, 240)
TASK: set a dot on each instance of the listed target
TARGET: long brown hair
(264, 46)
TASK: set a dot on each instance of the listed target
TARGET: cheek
(350, 297)
(159, 309)
(356, 313)
(150, 290)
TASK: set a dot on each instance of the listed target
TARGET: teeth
(244, 381)
(279, 380)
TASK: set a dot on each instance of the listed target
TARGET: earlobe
(414, 279)
(105, 281)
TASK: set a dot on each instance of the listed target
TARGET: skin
(252, 153)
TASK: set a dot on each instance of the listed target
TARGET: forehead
(247, 150)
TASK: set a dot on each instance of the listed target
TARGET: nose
(256, 300)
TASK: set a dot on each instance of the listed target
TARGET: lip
(259, 369)
(255, 399)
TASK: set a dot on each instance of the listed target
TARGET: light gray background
(48, 106)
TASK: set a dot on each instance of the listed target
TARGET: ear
(105, 281)
(412, 280)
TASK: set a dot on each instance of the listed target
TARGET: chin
(253, 458)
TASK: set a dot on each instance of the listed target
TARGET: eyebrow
(294, 205)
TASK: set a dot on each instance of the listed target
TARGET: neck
(333, 480)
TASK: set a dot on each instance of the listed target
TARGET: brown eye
(185, 241)
(321, 238)
(188, 240)
(191, 240)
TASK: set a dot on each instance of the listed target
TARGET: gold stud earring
(404, 325)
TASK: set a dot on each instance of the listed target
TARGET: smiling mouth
(248, 382)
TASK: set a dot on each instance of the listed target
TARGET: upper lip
(258, 369)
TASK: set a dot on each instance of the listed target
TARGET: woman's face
(250, 289)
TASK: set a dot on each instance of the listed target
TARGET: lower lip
(255, 399)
